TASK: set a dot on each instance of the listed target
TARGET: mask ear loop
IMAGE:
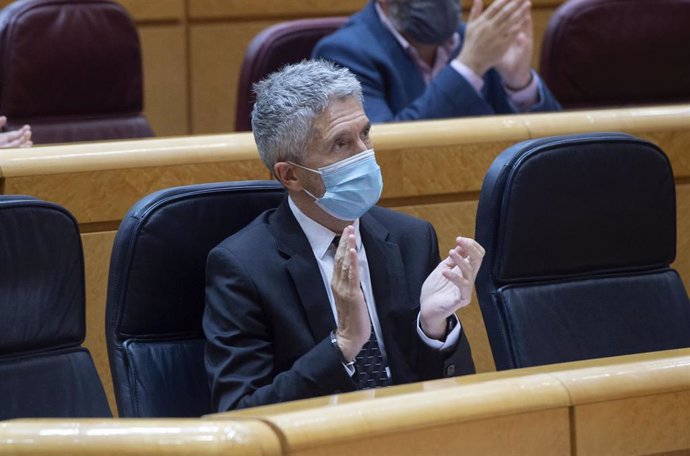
(308, 169)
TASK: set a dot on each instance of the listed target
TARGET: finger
(472, 252)
(354, 267)
(454, 277)
(470, 247)
(495, 8)
(464, 265)
(342, 247)
(9, 139)
(27, 144)
(510, 14)
(476, 10)
(3, 121)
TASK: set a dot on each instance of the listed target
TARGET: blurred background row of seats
(579, 231)
(72, 68)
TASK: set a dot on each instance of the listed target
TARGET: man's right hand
(354, 325)
(490, 33)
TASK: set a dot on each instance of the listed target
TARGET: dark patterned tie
(369, 364)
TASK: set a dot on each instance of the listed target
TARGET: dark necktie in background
(370, 370)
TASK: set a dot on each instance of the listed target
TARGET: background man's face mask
(353, 186)
(426, 21)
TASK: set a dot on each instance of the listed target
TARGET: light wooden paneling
(127, 437)
(521, 415)
(217, 50)
(652, 424)
(639, 408)
(166, 79)
(97, 249)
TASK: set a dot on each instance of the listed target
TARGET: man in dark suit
(329, 293)
(416, 60)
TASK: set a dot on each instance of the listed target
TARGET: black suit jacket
(268, 318)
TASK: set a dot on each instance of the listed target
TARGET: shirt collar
(319, 237)
(443, 52)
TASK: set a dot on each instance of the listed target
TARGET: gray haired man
(329, 293)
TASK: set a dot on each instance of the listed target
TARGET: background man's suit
(393, 87)
(268, 316)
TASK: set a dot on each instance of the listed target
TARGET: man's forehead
(339, 111)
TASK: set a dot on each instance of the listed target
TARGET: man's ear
(285, 173)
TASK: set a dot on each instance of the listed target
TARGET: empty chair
(44, 370)
(579, 234)
(71, 69)
(618, 52)
(156, 292)
(278, 45)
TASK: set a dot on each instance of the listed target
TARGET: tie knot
(336, 241)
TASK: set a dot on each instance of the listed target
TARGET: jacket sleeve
(448, 95)
(239, 354)
(456, 360)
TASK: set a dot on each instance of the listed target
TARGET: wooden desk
(431, 170)
(125, 437)
(631, 405)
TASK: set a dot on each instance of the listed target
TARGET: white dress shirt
(320, 239)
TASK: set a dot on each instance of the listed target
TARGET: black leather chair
(579, 234)
(72, 69)
(278, 45)
(44, 371)
(608, 53)
(156, 292)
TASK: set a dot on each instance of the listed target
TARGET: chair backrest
(579, 234)
(155, 298)
(618, 52)
(71, 69)
(44, 371)
(276, 46)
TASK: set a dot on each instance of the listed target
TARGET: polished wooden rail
(432, 170)
(125, 437)
(630, 405)
(193, 49)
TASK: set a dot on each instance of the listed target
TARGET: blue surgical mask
(426, 21)
(353, 186)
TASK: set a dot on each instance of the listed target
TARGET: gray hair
(287, 102)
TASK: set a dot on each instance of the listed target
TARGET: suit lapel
(387, 279)
(304, 271)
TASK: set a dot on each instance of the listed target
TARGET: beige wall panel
(452, 169)
(97, 249)
(166, 97)
(682, 263)
(536, 433)
(154, 10)
(540, 20)
(637, 426)
(216, 51)
(451, 220)
(676, 145)
(107, 195)
(240, 9)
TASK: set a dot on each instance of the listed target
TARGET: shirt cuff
(473, 78)
(451, 339)
(526, 97)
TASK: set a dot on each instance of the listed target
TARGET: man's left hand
(449, 287)
(515, 66)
